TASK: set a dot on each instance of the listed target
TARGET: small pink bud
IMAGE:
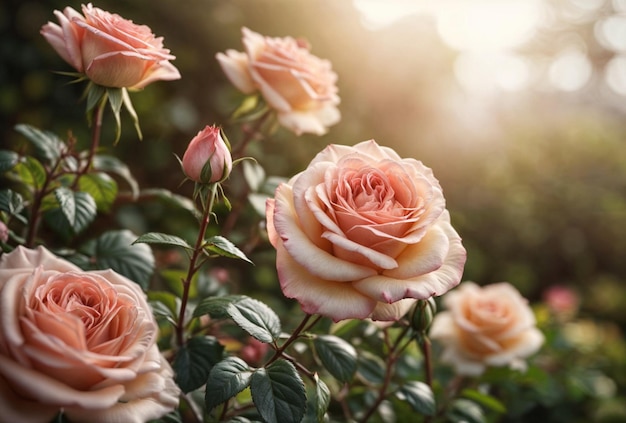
(207, 158)
(4, 232)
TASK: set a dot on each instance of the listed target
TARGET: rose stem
(206, 216)
(238, 152)
(292, 338)
(393, 356)
(428, 365)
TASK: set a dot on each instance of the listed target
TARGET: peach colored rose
(363, 233)
(299, 86)
(207, 147)
(78, 342)
(488, 326)
(110, 50)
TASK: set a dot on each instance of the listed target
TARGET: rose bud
(207, 158)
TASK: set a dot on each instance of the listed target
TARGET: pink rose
(78, 342)
(110, 50)
(488, 326)
(207, 148)
(363, 233)
(298, 85)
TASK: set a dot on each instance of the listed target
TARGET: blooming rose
(207, 148)
(488, 326)
(110, 50)
(78, 342)
(362, 233)
(298, 85)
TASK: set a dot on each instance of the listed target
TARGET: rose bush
(488, 326)
(81, 342)
(299, 86)
(207, 147)
(110, 50)
(362, 233)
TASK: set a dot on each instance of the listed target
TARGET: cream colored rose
(299, 86)
(78, 342)
(488, 326)
(110, 50)
(363, 233)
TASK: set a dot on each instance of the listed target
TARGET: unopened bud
(207, 158)
(422, 314)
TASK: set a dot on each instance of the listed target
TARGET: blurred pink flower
(299, 86)
(4, 232)
(562, 300)
(110, 50)
(486, 326)
(363, 233)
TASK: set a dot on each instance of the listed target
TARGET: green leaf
(11, 202)
(194, 361)
(76, 210)
(48, 147)
(322, 398)
(216, 307)
(223, 247)
(116, 100)
(94, 95)
(419, 396)
(171, 198)
(226, 379)
(8, 160)
(485, 400)
(131, 111)
(162, 239)
(337, 356)
(254, 174)
(101, 187)
(114, 250)
(113, 165)
(371, 367)
(164, 304)
(465, 411)
(256, 318)
(278, 393)
(31, 172)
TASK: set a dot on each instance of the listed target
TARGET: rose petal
(236, 67)
(14, 408)
(320, 263)
(392, 312)
(317, 296)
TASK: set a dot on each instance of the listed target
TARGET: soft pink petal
(14, 408)
(302, 122)
(318, 296)
(423, 257)
(318, 262)
(236, 66)
(164, 71)
(24, 258)
(392, 312)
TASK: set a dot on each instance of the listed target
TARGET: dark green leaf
(76, 210)
(371, 367)
(419, 396)
(194, 361)
(170, 198)
(256, 318)
(337, 356)
(113, 165)
(485, 400)
(278, 393)
(114, 250)
(226, 379)
(465, 411)
(162, 239)
(11, 202)
(48, 147)
(223, 247)
(165, 304)
(101, 187)
(216, 307)
(8, 159)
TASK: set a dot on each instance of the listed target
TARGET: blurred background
(519, 106)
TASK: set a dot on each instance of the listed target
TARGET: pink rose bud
(207, 158)
(4, 232)
(110, 50)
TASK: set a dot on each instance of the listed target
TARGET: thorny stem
(393, 356)
(197, 252)
(291, 339)
(428, 365)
